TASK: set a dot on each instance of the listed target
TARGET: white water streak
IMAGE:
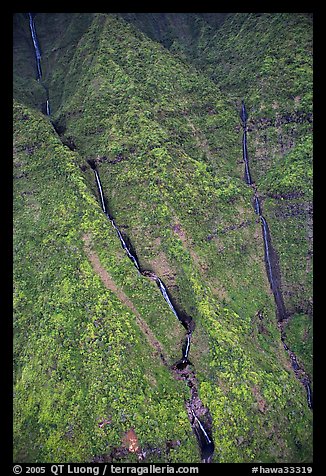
(267, 251)
(188, 346)
(35, 42)
(166, 297)
(202, 428)
(100, 190)
(257, 207)
(124, 244)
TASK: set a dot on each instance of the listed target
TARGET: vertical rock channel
(199, 416)
(183, 368)
(37, 50)
(272, 267)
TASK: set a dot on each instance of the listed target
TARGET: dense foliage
(167, 140)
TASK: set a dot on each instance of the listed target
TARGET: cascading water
(186, 351)
(99, 186)
(125, 247)
(166, 297)
(257, 206)
(36, 46)
(38, 55)
(271, 266)
(205, 442)
(267, 252)
(103, 205)
(48, 112)
(207, 438)
(270, 261)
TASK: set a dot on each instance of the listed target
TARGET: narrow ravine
(271, 262)
(38, 55)
(198, 415)
(36, 45)
(182, 369)
(272, 266)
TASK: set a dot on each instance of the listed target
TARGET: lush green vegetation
(79, 355)
(299, 334)
(176, 189)
(267, 60)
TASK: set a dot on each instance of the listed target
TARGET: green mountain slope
(265, 59)
(167, 144)
(80, 355)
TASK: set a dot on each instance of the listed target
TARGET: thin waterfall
(102, 199)
(186, 352)
(124, 245)
(272, 272)
(166, 297)
(271, 267)
(207, 445)
(207, 438)
(245, 157)
(36, 46)
(267, 252)
(257, 206)
(99, 186)
(205, 442)
(38, 55)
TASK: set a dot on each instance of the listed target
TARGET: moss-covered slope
(266, 59)
(167, 144)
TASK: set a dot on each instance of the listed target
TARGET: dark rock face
(273, 269)
(271, 259)
(243, 113)
(295, 117)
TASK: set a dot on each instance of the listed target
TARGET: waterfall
(124, 245)
(245, 158)
(36, 46)
(267, 252)
(99, 186)
(257, 206)
(37, 51)
(205, 443)
(186, 352)
(270, 266)
(122, 241)
(207, 438)
(166, 297)
(48, 112)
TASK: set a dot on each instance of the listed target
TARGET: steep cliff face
(266, 59)
(166, 140)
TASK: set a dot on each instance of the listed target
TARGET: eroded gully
(199, 416)
(37, 50)
(272, 266)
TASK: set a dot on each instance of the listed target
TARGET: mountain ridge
(193, 143)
